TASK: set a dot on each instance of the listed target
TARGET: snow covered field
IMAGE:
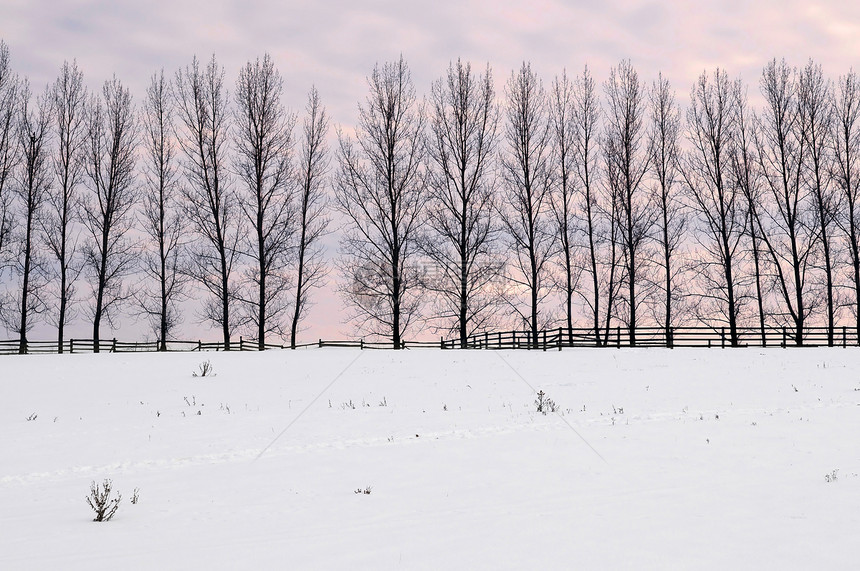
(656, 459)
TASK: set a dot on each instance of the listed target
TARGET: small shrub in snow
(100, 501)
(545, 404)
(33, 416)
(204, 370)
(831, 477)
(365, 491)
(135, 497)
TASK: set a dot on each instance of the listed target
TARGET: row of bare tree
(562, 203)
(228, 199)
(463, 211)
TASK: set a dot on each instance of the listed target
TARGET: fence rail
(562, 337)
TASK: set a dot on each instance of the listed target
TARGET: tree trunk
(299, 284)
(759, 295)
(261, 308)
(22, 343)
(63, 279)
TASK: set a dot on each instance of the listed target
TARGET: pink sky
(334, 45)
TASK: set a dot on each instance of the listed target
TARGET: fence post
(361, 344)
(320, 343)
(784, 337)
(618, 337)
(670, 342)
(486, 340)
(113, 347)
(844, 340)
(71, 345)
(722, 337)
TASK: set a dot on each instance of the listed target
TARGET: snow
(656, 459)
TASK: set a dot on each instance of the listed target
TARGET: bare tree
(746, 176)
(8, 154)
(816, 125)
(718, 203)
(586, 160)
(68, 99)
(381, 190)
(163, 262)
(313, 221)
(562, 106)
(672, 217)
(264, 144)
(210, 205)
(790, 225)
(109, 252)
(846, 173)
(626, 147)
(33, 183)
(528, 178)
(461, 237)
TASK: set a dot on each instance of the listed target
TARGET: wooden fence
(13, 346)
(697, 336)
(694, 336)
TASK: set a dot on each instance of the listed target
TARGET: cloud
(335, 44)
